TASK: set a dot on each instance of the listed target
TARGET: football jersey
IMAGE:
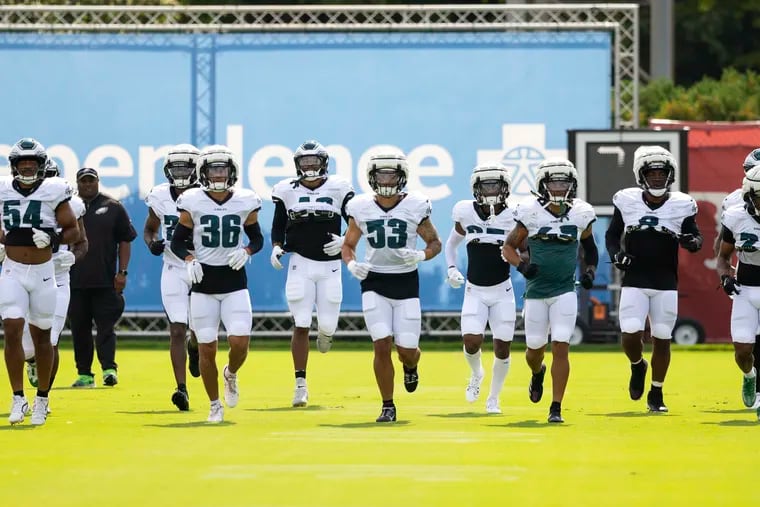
(732, 200)
(77, 206)
(313, 214)
(389, 230)
(24, 209)
(218, 227)
(746, 232)
(553, 243)
(484, 238)
(161, 201)
(651, 237)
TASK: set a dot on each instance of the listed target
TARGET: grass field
(128, 446)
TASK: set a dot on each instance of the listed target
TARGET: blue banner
(448, 100)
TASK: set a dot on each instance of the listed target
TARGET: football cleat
(31, 372)
(40, 411)
(230, 387)
(181, 400)
(110, 378)
(84, 381)
(193, 359)
(638, 379)
(492, 406)
(301, 394)
(387, 414)
(216, 414)
(472, 392)
(555, 416)
(749, 391)
(19, 409)
(536, 387)
(411, 379)
(655, 402)
(324, 342)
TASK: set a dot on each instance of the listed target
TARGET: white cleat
(216, 414)
(230, 387)
(492, 406)
(301, 395)
(324, 342)
(757, 402)
(472, 393)
(40, 411)
(19, 408)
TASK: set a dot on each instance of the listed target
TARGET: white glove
(333, 247)
(411, 257)
(455, 279)
(64, 259)
(41, 238)
(360, 270)
(194, 271)
(237, 259)
(2, 252)
(274, 259)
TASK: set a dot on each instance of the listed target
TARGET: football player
(740, 233)
(217, 216)
(482, 224)
(33, 208)
(655, 222)
(554, 225)
(390, 220)
(306, 224)
(181, 175)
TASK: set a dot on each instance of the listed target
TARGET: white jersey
(746, 232)
(78, 207)
(492, 230)
(218, 227)
(161, 201)
(301, 201)
(667, 218)
(732, 200)
(33, 210)
(387, 231)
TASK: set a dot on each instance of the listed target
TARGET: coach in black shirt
(96, 284)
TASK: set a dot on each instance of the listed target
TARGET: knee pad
(536, 341)
(27, 343)
(206, 335)
(631, 325)
(41, 321)
(662, 331)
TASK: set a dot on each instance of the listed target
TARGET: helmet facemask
(180, 173)
(558, 189)
(217, 176)
(656, 178)
(28, 170)
(387, 182)
(311, 167)
(491, 193)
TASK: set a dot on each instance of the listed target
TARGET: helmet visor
(180, 170)
(310, 163)
(656, 178)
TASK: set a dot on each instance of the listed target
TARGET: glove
(2, 252)
(622, 260)
(690, 242)
(274, 259)
(360, 270)
(587, 280)
(333, 247)
(411, 257)
(194, 271)
(455, 278)
(237, 259)
(528, 270)
(729, 285)
(157, 246)
(41, 238)
(64, 259)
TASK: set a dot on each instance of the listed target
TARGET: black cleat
(638, 379)
(192, 360)
(655, 402)
(536, 387)
(555, 416)
(411, 379)
(181, 400)
(388, 414)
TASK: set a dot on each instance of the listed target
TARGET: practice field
(128, 446)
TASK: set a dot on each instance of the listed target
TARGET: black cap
(87, 171)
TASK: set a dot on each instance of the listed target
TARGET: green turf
(128, 446)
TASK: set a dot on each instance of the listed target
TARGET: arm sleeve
(614, 232)
(182, 236)
(727, 236)
(451, 247)
(279, 222)
(256, 239)
(590, 252)
(343, 210)
(689, 226)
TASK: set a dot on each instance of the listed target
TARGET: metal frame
(621, 20)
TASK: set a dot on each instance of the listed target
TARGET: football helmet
(752, 160)
(51, 169)
(217, 161)
(647, 158)
(180, 165)
(311, 161)
(387, 173)
(490, 184)
(28, 149)
(751, 191)
(557, 181)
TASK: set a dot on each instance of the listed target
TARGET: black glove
(729, 284)
(622, 260)
(528, 270)
(587, 280)
(690, 242)
(157, 246)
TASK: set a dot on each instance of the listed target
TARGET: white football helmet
(28, 149)
(646, 158)
(51, 168)
(387, 173)
(311, 160)
(557, 180)
(180, 165)
(211, 160)
(490, 184)
(752, 160)
(751, 191)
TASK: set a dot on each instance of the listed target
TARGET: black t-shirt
(107, 224)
